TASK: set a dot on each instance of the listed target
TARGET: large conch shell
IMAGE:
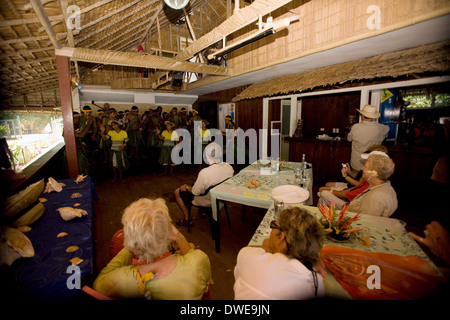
(53, 185)
(30, 216)
(68, 213)
(14, 245)
(20, 201)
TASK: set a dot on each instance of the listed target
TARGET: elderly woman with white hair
(380, 198)
(149, 235)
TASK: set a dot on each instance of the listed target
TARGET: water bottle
(304, 169)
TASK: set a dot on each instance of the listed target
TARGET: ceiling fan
(176, 4)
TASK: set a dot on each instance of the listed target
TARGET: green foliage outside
(35, 120)
(421, 101)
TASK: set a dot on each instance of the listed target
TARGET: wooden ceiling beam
(84, 10)
(118, 22)
(30, 39)
(43, 18)
(240, 18)
(134, 59)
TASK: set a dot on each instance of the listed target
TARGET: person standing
(175, 118)
(170, 139)
(133, 122)
(119, 140)
(365, 134)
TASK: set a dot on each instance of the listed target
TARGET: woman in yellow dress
(119, 140)
(161, 274)
(169, 138)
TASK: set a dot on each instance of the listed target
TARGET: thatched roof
(30, 31)
(428, 59)
(108, 33)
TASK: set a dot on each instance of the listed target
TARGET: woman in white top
(286, 267)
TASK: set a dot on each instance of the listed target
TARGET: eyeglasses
(273, 225)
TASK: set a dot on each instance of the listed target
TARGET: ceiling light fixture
(176, 4)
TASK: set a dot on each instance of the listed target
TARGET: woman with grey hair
(380, 199)
(161, 273)
(286, 267)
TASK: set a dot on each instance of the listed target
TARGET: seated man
(351, 178)
(327, 197)
(198, 194)
(379, 199)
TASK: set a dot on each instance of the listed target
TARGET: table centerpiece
(338, 226)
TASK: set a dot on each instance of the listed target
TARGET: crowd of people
(118, 137)
(156, 261)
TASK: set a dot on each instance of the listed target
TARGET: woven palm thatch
(434, 58)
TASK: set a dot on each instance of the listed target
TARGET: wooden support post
(191, 30)
(65, 93)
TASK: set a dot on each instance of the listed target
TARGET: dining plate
(290, 194)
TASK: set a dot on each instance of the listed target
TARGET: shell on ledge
(75, 261)
(76, 195)
(68, 213)
(80, 178)
(14, 245)
(53, 185)
(72, 249)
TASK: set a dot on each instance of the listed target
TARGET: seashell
(72, 249)
(53, 185)
(75, 261)
(42, 200)
(62, 234)
(30, 216)
(80, 178)
(76, 195)
(68, 213)
(14, 245)
(20, 201)
(77, 204)
(23, 228)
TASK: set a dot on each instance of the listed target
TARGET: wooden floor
(144, 180)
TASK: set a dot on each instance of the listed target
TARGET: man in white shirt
(365, 134)
(198, 194)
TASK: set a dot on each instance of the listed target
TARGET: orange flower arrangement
(338, 226)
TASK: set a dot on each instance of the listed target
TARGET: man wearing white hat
(366, 133)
